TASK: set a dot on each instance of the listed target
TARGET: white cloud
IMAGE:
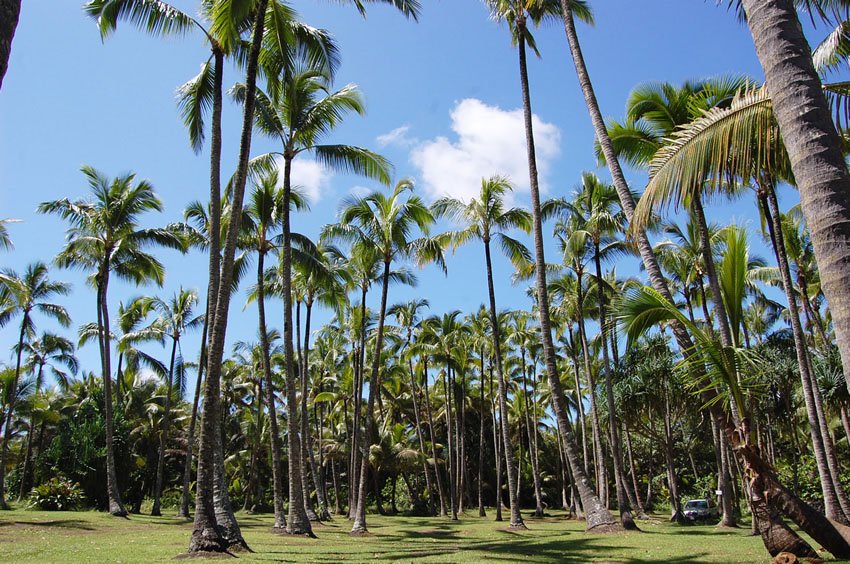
(490, 141)
(313, 178)
(398, 136)
(360, 191)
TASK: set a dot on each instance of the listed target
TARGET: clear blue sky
(442, 97)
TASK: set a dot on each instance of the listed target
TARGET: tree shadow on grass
(61, 523)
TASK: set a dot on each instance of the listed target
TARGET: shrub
(57, 494)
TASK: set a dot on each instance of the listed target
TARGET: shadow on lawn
(61, 523)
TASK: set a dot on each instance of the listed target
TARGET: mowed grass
(88, 536)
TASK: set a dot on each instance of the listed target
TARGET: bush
(57, 494)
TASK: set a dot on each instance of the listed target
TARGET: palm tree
(176, 318)
(104, 238)
(299, 114)
(486, 218)
(28, 294)
(385, 223)
(517, 13)
(814, 148)
(53, 351)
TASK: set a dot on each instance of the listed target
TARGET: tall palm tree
(299, 113)
(105, 239)
(264, 217)
(518, 13)
(176, 318)
(814, 148)
(485, 218)
(28, 294)
(384, 222)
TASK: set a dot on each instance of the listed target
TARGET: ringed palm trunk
(414, 393)
(190, 435)
(354, 475)
(359, 526)
(513, 497)
(7, 420)
(497, 450)
(814, 148)
(598, 456)
(25, 473)
(531, 433)
(833, 509)
(277, 455)
(114, 493)
(597, 514)
(298, 522)
(450, 463)
(163, 433)
(613, 427)
(307, 456)
(481, 443)
(831, 536)
(430, 416)
(206, 532)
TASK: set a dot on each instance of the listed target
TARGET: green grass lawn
(87, 536)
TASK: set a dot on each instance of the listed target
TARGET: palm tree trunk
(597, 514)
(767, 196)
(414, 393)
(25, 479)
(429, 415)
(354, 478)
(481, 443)
(598, 457)
(206, 532)
(298, 522)
(633, 471)
(114, 493)
(579, 402)
(513, 497)
(814, 148)
(530, 432)
(277, 450)
(308, 457)
(359, 526)
(190, 436)
(163, 432)
(7, 420)
(450, 463)
(614, 430)
(497, 450)
(10, 10)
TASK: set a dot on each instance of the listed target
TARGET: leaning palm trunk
(163, 434)
(359, 526)
(763, 476)
(277, 478)
(597, 514)
(10, 10)
(513, 497)
(814, 149)
(414, 393)
(767, 196)
(206, 532)
(298, 522)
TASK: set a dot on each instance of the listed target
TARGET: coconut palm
(485, 218)
(384, 222)
(105, 239)
(813, 144)
(176, 318)
(28, 294)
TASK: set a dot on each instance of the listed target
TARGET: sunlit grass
(87, 536)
